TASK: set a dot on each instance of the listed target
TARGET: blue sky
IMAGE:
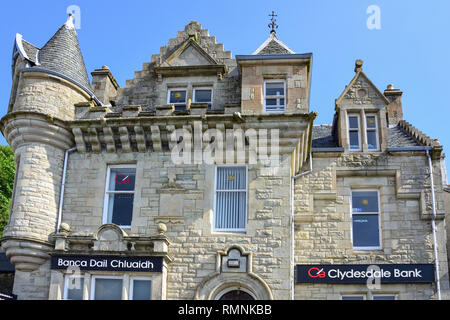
(411, 50)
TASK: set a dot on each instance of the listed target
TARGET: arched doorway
(236, 295)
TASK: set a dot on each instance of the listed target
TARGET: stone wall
(47, 94)
(296, 78)
(193, 246)
(323, 215)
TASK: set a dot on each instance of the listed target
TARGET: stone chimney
(104, 85)
(394, 109)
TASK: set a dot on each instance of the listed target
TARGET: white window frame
(107, 193)
(169, 91)
(353, 295)
(130, 294)
(203, 88)
(275, 97)
(372, 248)
(354, 115)
(373, 130)
(244, 230)
(66, 285)
(94, 277)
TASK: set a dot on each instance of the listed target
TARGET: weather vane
(272, 23)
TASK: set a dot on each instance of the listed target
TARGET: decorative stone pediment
(110, 238)
(189, 54)
(189, 59)
(361, 92)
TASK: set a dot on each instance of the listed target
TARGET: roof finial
(272, 23)
(358, 65)
(69, 23)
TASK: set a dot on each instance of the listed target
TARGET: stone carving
(110, 238)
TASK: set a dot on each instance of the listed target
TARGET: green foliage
(7, 172)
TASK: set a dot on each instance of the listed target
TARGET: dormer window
(274, 96)
(203, 95)
(178, 98)
(354, 132)
(372, 128)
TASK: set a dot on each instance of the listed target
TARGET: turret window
(274, 96)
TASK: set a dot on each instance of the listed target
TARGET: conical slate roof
(62, 54)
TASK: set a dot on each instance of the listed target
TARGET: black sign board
(107, 263)
(362, 273)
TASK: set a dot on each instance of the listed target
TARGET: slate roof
(273, 46)
(61, 54)
(31, 51)
(397, 138)
(322, 137)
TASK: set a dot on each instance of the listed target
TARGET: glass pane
(122, 179)
(365, 230)
(371, 122)
(352, 297)
(142, 289)
(354, 139)
(231, 178)
(108, 289)
(353, 123)
(180, 107)
(230, 210)
(384, 297)
(75, 288)
(203, 95)
(275, 89)
(120, 209)
(281, 102)
(365, 201)
(372, 140)
(271, 102)
(177, 96)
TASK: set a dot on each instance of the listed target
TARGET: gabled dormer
(275, 79)
(361, 124)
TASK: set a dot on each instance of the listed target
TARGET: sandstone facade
(69, 137)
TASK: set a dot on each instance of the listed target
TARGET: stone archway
(235, 293)
(227, 279)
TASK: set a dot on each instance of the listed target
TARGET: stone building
(206, 178)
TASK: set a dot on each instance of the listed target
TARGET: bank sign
(361, 273)
(107, 263)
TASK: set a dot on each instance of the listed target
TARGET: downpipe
(433, 226)
(63, 183)
(293, 224)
